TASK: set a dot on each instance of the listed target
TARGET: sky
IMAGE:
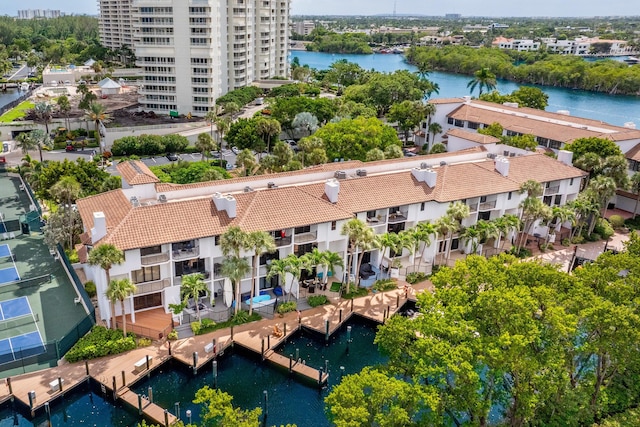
(496, 8)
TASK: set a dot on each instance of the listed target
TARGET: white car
(54, 83)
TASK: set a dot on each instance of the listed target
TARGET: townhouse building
(169, 230)
(195, 51)
(521, 45)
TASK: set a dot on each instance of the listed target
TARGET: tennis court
(8, 275)
(18, 320)
(4, 250)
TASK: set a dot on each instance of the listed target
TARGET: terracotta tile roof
(114, 202)
(445, 100)
(473, 136)
(634, 153)
(541, 123)
(135, 172)
(328, 167)
(265, 210)
(538, 167)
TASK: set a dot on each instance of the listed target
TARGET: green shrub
(616, 221)
(144, 342)
(593, 237)
(335, 287)
(286, 307)
(195, 328)
(355, 293)
(577, 240)
(173, 335)
(99, 342)
(90, 287)
(317, 300)
(241, 96)
(566, 242)
(523, 253)
(633, 223)
(240, 317)
(603, 228)
(72, 255)
(416, 277)
(384, 285)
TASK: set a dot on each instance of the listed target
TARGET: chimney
(220, 201)
(332, 189)
(467, 99)
(428, 176)
(565, 157)
(231, 206)
(99, 229)
(502, 166)
(629, 125)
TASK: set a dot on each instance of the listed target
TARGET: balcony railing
(397, 217)
(376, 220)
(149, 287)
(186, 253)
(154, 259)
(305, 237)
(283, 241)
(552, 190)
(485, 206)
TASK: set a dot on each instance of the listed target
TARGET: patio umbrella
(227, 292)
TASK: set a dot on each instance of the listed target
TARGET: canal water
(616, 110)
(245, 377)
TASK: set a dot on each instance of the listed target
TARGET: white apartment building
(581, 46)
(521, 45)
(39, 14)
(192, 52)
(304, 27)
(114, 23)
(168, 230)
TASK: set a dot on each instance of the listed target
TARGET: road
(20, 74)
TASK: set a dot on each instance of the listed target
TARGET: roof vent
(332, 190)
(505, 153)
(512, 154)
(248, 189)
(162, 198)
(423, 165)
(340, 175)
(443, 163)
(491, 156)
(564, 112)
(271, 185)
(134, 201)
(361, 172)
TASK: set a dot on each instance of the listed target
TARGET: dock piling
(398, 300)
(320, 376)
(266, 400)
(340, 317)
(290, 363)
(115, 387)
(166, 418)
(150, 394)
(351, 304)
(147, 360)
(195, 362)
(326, 330)
(124, 379)
(139, 405)
(268, 342)
(215, 373)
(60, 384)
(86, 366)
(9, 385)
(177, 408)
(189, 416)
(262, 349)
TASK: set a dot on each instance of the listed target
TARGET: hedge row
(242, 96)
(100, 342)
(149, 145)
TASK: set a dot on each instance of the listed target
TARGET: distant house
(520, 45)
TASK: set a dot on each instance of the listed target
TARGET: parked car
(235, 150)
(408, 153)
(70, 147)
(173, 157)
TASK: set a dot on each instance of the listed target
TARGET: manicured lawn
(16, 113)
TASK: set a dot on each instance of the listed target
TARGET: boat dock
(116, 374)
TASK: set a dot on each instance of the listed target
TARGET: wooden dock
(150, 410)
(119, 372)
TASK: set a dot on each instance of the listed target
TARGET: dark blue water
(8, 96)
(245, 377)
(616, 110)
(83, 407)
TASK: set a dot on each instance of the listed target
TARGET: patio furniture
(366, 271)
(261, 301)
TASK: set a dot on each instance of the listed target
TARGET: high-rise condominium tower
(193, 51)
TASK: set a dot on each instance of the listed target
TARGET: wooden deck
(154, 324)
(120, 370)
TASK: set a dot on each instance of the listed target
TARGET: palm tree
(204, 143)
(65, 192)
(483, 79)
(471, 235)
(37, 138)
(268, 128)
(635, 188)
(383, 242)
(457, 211)
(43, 112)
(97, 113)
(223, 124)
(445, 226)
(192, 286)
(280, 267)
(422, 236)
(506, 224)
(119, 290)
(26, 143)
(603, 189)
(235, 268)
(260, 242)
(233, 241)
(434, 129)
(330, 260)
(106, 256)
(533, 209)
(64, 106)
(361, 238)
(588, 162)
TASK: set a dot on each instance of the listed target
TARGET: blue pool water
(245, 377)
(612, 109)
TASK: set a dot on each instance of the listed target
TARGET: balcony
(206, 276)
(487, 206)
(555, 189)
(150, 287)
(397, 217)
(154, 259)
(186, 253)
(303, 238)
(283, 241)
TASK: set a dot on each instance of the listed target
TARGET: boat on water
(632, 60)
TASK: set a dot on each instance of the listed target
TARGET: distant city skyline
(541, 8)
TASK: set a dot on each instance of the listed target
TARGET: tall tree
(483, 79)
(361, 238)
(64, 106)
(106, 256)
(43, 112)
(260, 242)
(235, 268)
(408, 115)
(192, 286)
(97, 113)
(268, 128)
(635, 188)
(204, 144)
(65, 192)
(119, 290)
